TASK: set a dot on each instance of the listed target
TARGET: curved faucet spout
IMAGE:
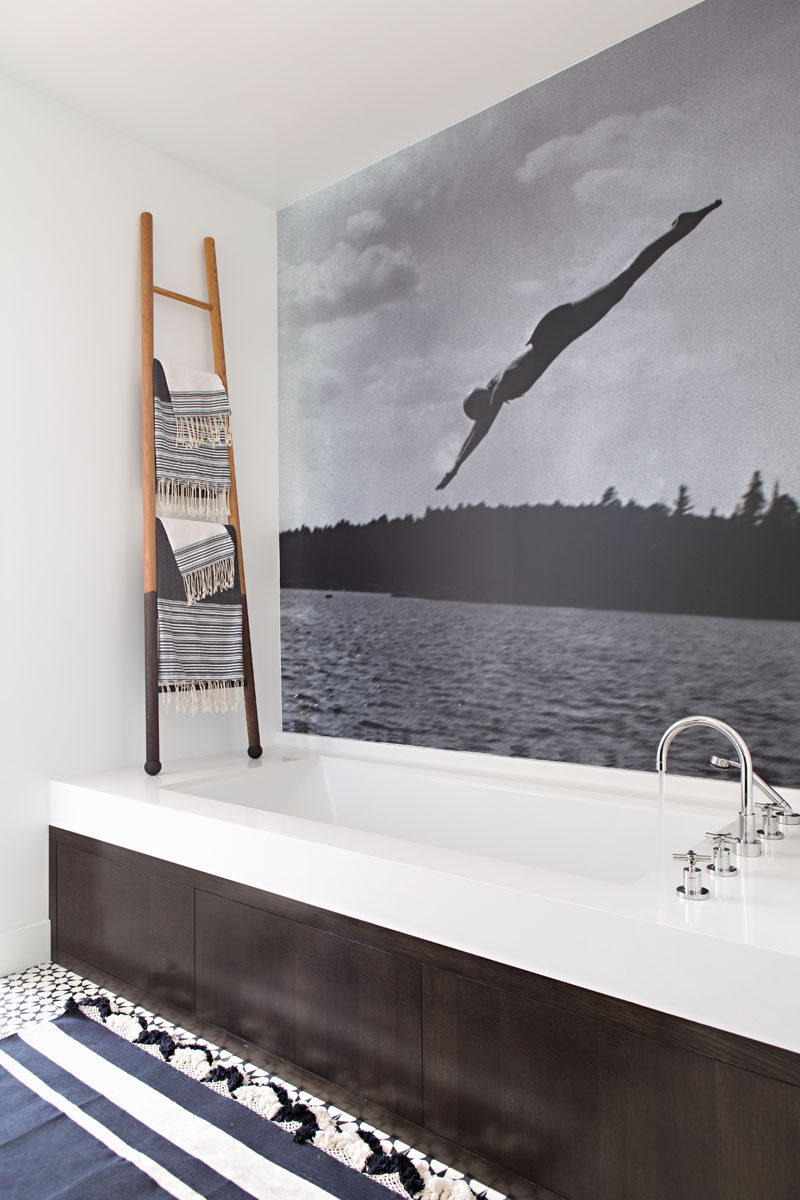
(748, 843)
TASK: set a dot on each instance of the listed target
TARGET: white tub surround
(559, 870)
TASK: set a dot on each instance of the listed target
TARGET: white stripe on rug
(224, 1154)
(159, 1174)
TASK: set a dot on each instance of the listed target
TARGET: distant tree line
(606, 555)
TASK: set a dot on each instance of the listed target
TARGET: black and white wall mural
(540, 414)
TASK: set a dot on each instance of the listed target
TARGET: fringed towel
(201, 408)
(193, 477)
(200, 656)
(200, 664)
(204, 555)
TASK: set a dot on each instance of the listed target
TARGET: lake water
(567, 684)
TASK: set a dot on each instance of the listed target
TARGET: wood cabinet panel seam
(320, 926)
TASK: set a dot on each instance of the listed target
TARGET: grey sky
(409, 283)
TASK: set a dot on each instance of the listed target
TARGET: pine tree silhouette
(683, 504)
(753, 501)
(601, 555)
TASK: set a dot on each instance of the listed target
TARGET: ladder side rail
(251, 709)
(152, 764)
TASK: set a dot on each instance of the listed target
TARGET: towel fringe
(180, 499)
(203, 695)
(193, 432)
(208, 580)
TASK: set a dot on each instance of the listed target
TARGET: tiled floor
(40, 994)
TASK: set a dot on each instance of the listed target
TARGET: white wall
(72, 577)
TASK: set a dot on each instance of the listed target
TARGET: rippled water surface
(556, 683)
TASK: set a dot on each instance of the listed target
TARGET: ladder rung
(183, 299)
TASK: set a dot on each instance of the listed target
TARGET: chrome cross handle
(692, 886)
(692, 857)
(771, 831)
(722, 853)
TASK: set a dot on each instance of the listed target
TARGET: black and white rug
(367, 1156)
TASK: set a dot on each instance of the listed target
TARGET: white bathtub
(564, 871)
(504, 820)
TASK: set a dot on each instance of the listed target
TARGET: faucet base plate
(703, 894)
(748, 849)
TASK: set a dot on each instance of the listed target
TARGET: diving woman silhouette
(554, 333)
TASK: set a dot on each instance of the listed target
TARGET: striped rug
(84, 1113)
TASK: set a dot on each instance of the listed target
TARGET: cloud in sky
(625, 137)
(356, 276)
(364, 224)
(349, 280)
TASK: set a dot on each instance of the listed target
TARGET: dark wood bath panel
(126, 920)
(340, 1008)
(540, 1088)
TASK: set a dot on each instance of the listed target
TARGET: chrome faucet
(747, 843)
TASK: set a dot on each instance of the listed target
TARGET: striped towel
(200, 662)
(193, 477)
(204, 555)
(200, 404)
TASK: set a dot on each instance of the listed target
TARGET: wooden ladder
(152, 764)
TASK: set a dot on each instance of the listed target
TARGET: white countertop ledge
(562, 870)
